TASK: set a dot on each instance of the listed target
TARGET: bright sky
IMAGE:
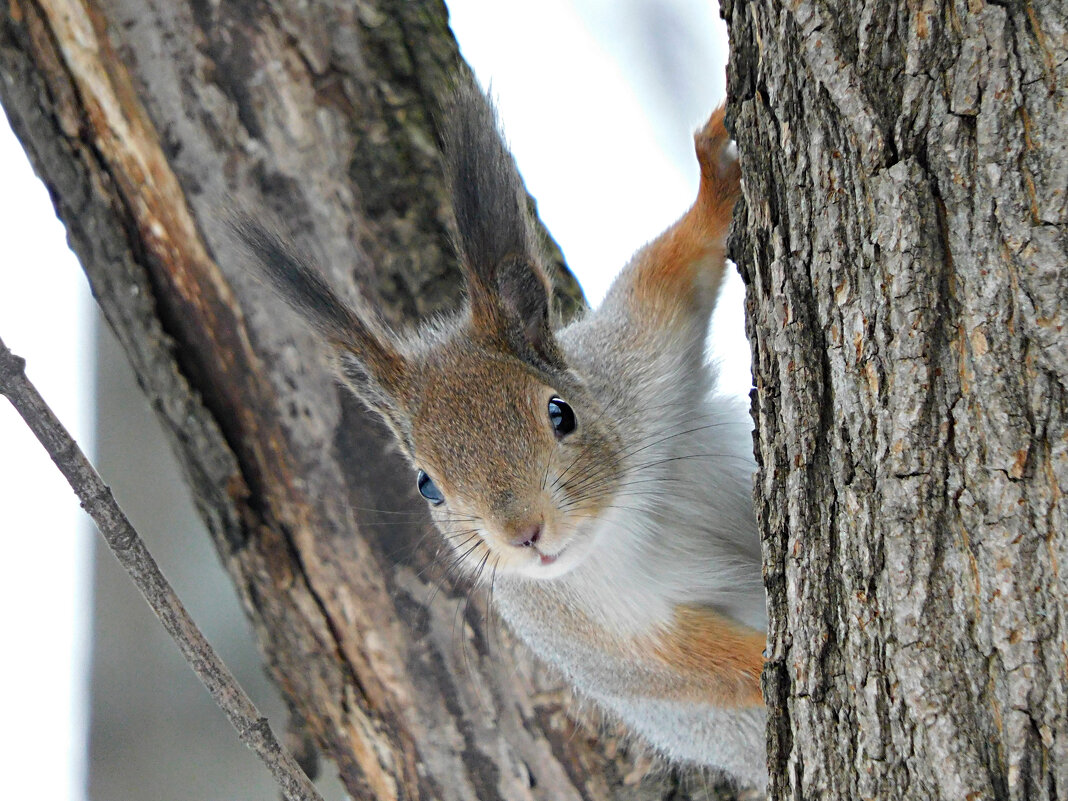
(590, 155)
(44, 594)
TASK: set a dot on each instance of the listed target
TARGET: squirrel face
(504, 452)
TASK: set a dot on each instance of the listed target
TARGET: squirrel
(607, 485)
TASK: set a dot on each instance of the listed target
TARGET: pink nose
(528, 536)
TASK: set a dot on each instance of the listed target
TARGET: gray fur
(693, 541)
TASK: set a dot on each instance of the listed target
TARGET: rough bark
(142, 117)
(903, 241)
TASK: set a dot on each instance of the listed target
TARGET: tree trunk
(903, 241)
(143, 118)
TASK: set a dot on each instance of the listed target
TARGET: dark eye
(428, 489)
(561, 416)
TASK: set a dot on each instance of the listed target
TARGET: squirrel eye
(561, 416)
(428, 489)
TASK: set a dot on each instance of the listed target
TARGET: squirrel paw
(720, 173)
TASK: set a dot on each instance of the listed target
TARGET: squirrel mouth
(546, 559)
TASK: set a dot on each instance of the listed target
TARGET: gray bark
(904, 244)
(142, 118)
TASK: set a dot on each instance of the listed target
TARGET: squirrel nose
(527, 536)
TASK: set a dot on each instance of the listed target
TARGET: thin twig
(127, 545)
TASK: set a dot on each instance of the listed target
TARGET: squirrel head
(503, 435)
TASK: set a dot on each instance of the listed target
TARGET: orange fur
(686, 262)
(721, 660)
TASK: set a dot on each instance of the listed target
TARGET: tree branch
(97, 499)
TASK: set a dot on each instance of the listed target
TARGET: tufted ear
(368, 357)
(378, 388)
(523, 311)
(508, 287)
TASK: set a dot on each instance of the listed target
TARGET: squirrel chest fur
(592, 470)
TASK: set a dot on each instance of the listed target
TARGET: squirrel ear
(369, 359)
(508, 288)
(378, 389)
(523, 313)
